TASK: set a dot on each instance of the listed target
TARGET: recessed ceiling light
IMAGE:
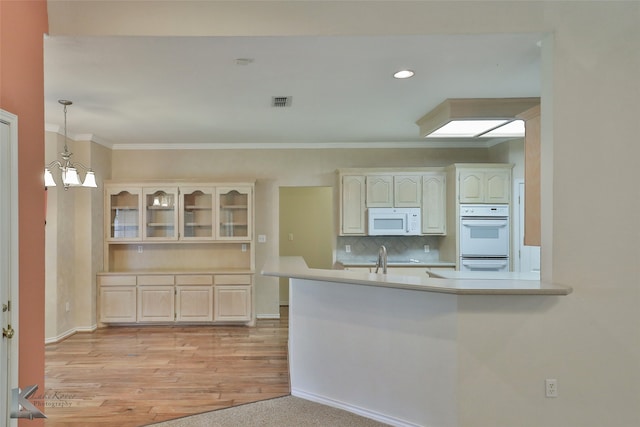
(403, 74)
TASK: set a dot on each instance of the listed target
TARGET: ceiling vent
(281, 101)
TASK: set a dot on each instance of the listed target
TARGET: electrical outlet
(426, 249)
(551, 387)
(244, 247)
(67, 306)
(347, 248)
(262, 238)
(290, 236)
(139, 249)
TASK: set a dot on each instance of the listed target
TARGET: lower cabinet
(168, 298)
(194, 298)
(232, 298)
(156, 302)
(117, 299)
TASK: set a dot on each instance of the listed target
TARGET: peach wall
(22, 25)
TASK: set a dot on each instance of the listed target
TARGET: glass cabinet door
(161, 213)
(124, 213)
(196, 213)
(234, 213)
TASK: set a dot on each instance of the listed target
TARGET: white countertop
(484, 275)
(295, 267)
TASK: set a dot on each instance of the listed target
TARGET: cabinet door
(117, 304)
(379, 191)
(194, 303)
(124, 216)
(160, 213)
(434, 206)
(156, 304)
(234, 213)
(232, 303)
(352, 201)
(497, 186)
(471, 186)
(197, 213)
(407, 191)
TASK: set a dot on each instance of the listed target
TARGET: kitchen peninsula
(387, 346)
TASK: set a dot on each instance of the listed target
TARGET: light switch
(290, 236)
(262, 238)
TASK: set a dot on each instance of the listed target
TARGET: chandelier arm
(54, 163)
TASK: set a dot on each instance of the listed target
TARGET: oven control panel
(484, 210)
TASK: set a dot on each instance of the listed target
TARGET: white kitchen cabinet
(434, 206)
(407, 191)
(379, 191)
(156, 298)
(393, 190)
(123, 213)
(234, 213)
(160, 216)
(194, 303)
(117, 299)
(232, 298)
(194, 297)
(352, 205)
(484, 185)
(197, 214)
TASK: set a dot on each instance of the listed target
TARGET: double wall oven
(484, 237)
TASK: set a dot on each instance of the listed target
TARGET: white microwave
(394, 222)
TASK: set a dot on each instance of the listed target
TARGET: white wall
(589, 340)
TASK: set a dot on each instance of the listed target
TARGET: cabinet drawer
(232, 279)
(116, 280)
(194, 279)
(156, 279)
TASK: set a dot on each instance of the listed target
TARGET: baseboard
(353, 409)
(70, 332)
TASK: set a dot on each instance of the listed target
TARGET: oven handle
(484, 264)
(485, 222)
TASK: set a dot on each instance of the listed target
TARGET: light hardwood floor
(133, 376)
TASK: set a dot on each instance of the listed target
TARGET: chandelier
(68, 169)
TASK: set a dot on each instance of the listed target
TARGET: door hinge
(6, 307)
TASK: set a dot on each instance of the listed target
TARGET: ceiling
(193, 92)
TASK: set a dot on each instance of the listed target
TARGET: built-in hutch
(178, 252)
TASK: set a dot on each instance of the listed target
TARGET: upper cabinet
(394, 191)
(434, 206)
(379, 191)
(361, 189)
(159, 213)
(123, 213)
(479, 184)
(407, 191)
(352, 204)
(234, 213)
(197, 216)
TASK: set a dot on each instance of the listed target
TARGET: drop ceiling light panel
(496, 110)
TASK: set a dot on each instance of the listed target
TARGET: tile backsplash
(399, 248)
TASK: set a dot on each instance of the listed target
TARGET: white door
(529, 256)
(8, 262)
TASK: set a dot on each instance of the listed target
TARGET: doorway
(8, 262)
(306, 228)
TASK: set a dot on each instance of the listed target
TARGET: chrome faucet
(382, 259)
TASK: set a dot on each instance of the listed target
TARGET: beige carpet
(288, 411)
